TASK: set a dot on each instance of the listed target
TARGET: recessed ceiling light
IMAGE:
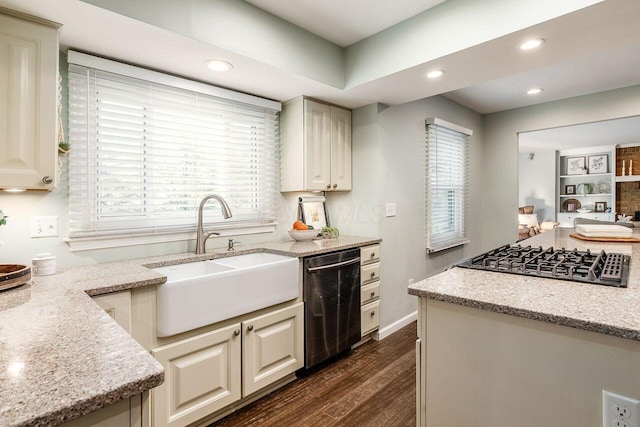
(531, 44)
(435, 74)
(219, 65)
(534, 91)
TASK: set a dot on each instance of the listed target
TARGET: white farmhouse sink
(204, 292)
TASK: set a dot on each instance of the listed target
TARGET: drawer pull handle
(373, 254)
(373, 294)
(373, 313)
(236, 332)
(373, 274)
(250, 328)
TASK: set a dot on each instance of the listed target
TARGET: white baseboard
(397, 325)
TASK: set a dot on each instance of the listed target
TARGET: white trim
(115, 67)
(448, 125)
(104, 242)
(437, 248)
(397, 325)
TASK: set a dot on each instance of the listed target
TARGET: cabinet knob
(373, 274)
(250, 328)
(373, 313)
(373, 254)
(373, 294)
(236, 332)
(328, 186)
(335, 186)
(47, 180)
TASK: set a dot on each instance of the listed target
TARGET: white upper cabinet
(28, 83)
(316, 147)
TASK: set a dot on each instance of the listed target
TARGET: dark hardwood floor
(374, 385)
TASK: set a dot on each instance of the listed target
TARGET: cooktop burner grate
(581, 266)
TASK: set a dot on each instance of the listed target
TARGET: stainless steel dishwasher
(332, 304)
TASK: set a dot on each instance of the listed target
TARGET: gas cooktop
(601, 268)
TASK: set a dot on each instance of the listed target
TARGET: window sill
(80, 244)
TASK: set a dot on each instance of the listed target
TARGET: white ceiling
(344, 22)
(623, 131)
(591, 50)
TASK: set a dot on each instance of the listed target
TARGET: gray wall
(388, 167)
(501, 149)
(537, 182)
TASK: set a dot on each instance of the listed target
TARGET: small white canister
(43, 264)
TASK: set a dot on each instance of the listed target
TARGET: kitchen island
(63, 357)
(498, 349)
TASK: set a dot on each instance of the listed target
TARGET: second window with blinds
(447, 184)
(144, 153)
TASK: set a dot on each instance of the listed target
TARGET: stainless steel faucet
(201, 235)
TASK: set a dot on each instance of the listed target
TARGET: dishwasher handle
(338, 264)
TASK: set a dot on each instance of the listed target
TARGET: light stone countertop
(62, 356)
(603, 309)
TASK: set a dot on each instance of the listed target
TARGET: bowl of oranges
(302, 232)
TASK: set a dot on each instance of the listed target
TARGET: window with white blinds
(447, 184)
(144, 155)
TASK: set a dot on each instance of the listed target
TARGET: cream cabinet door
(202, 375)
(273, 347)
(340, 149)
(28, 82)
(317, 145)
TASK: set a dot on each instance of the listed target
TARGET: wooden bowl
(12, 275)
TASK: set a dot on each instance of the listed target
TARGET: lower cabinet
(205, 373)
(125, 413)
(272, 347)
(369, 290)
(202, 375)
(370, 317)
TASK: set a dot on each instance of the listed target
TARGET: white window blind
(144, 154)
(447, 184)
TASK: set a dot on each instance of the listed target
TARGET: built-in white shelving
(570, 185)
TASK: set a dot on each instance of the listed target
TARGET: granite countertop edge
(100, 401)
(69, 289)
(577, 305)
(571, 322)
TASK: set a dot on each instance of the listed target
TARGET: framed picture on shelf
(601, 206)
(575, 165)
(570, 189)
(599, 163)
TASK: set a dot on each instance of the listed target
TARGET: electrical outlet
(390, 209)
(619, 411)
(44, 226)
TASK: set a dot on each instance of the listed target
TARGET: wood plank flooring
(374, 385)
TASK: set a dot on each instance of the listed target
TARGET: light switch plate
(44, 226)
(390, 209)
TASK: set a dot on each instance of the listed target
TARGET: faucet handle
(231, 243)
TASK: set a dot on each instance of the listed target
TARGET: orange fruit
(299, 225)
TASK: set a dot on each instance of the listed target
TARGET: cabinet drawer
(370, 317)
(369, 254)
(369, 273)
(370, 292)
